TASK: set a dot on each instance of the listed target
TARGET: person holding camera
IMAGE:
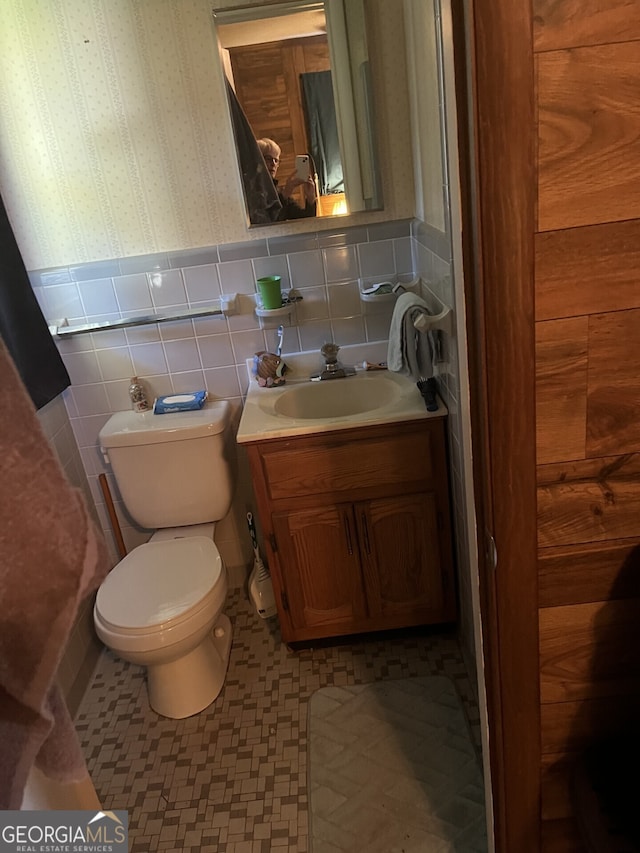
(271, 151)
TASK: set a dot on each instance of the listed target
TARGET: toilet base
(188, 685)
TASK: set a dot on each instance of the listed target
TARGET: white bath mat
(392, 769)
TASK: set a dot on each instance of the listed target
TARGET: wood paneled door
(554, 295)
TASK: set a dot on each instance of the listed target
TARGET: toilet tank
(172, 469)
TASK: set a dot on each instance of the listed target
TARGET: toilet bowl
(161, 607)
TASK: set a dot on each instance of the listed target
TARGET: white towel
(410, 352)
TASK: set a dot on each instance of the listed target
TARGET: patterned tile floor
(233, 779)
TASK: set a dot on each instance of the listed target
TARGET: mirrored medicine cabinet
(298, 73)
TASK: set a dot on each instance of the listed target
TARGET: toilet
(161, 606)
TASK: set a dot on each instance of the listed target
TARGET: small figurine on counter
(269, 369)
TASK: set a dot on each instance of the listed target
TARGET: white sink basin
(337, 398)
(301, 407)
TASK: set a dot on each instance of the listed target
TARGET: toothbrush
(280, 339)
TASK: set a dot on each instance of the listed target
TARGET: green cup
(270, 293)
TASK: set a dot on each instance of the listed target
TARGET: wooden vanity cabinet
(356, 527)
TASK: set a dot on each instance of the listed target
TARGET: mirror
(300, 95)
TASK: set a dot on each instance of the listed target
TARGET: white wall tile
(108, 338)
(344, 299)
(273, 266)
(74, 343)
(98, 297)
(314, 305)
(175, 330)
(66, 448)
(340, 263)
(86, 429)
(377, 327)
(143, 334)
(222, 382)
(215, 325)
(158, 386)
(132, 292)
(83, 367)
(91, 460)
(243, 378)
(237, 277)
(148, 359)
(245, 344)
(349, 331)
(90, 399)
(246, 317)
(377, 258)
(216, 350)
(118, 395)
(115, 363)
(202, 283)
(190, 380)
(402, 248)
(314, 334)
(306, 269)
(61, 301)
(167, 288)
(182, 355)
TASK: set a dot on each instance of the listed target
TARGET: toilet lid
(159, 581)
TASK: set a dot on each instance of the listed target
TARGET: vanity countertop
(376, 397)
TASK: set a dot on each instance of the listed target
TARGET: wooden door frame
(497, 127)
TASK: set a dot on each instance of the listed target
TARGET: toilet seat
(159, 592)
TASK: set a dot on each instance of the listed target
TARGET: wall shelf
(398, 285)
(265, 315)
(274, 312)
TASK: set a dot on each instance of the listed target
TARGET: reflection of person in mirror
(290, 208)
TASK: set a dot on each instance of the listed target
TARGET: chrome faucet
(332, 367)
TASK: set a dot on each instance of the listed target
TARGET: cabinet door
(406, 569)
(318, 557)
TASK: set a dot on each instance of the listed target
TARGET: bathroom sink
(337, 398)
(301, 407)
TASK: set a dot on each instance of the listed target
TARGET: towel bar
(442, 321)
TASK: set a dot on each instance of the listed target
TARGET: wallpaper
(115, 139)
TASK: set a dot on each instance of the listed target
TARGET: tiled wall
(433, 260)
(209, 352)
(438, 261)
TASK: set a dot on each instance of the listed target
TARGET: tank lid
(128, 429)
